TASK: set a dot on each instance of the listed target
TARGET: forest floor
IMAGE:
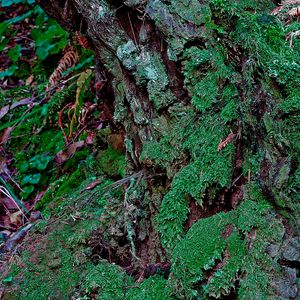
(52, 132)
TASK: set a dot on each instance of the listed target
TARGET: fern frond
(69, 59)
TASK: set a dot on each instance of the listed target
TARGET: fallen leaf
(16, 218)
(3, 111)
(276, 10)
(21, 102)
(90, 138)
(93, 184)
(8, 202)
(64, 155)
(5, 136)
(29, 80)
(226, 141)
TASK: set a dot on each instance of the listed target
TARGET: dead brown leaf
(21, 102)
(63, 155)
(94, 184)
(3, 111)
(226, 141)
(5, 136)
(90, 138)
(8, 203)
(16, 218)
(29, 80)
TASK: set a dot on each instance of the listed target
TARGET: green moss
(238, 7)
(229, 112)
(58, 256)
(162, 155)
(190, 11)
(75, 160)
(71, 184)
(291, 104)
(152, 288)
(111, 162)
(223, 279)
(54, 266)
(159, 94)
(108, 280)
(54, 278)
(205, 71)
(242, 68)
(173, 213)
(264, 37)
(221, 245)
(209, 169)
(50, 193)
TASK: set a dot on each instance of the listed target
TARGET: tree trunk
(206, 95)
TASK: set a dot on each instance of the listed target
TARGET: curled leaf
(64, 155)
(3, 111)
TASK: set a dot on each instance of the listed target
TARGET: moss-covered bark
(206, 94)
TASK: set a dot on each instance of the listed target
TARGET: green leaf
(8, 279)
(3, 43)
(8, 72)
(6, 3)
(50, 41)
(24, 167)
(27, 190)
(40, 162)
(14, 53)
(3, 27)
(32, 179)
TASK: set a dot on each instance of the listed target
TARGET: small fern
(69, 59)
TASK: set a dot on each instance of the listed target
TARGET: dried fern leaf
(69, 59)
(288, 2)
(294, 12)
(82, 40)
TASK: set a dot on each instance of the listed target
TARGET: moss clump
(50, 193)
(205, 73)
(57, 258)
(71, 184)
(53, 266)
(54, 278)
(173, 213)
(224, 247)
(108, 280)
(111, 162)
(152, 288)
(208, 169)
(229, 112)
